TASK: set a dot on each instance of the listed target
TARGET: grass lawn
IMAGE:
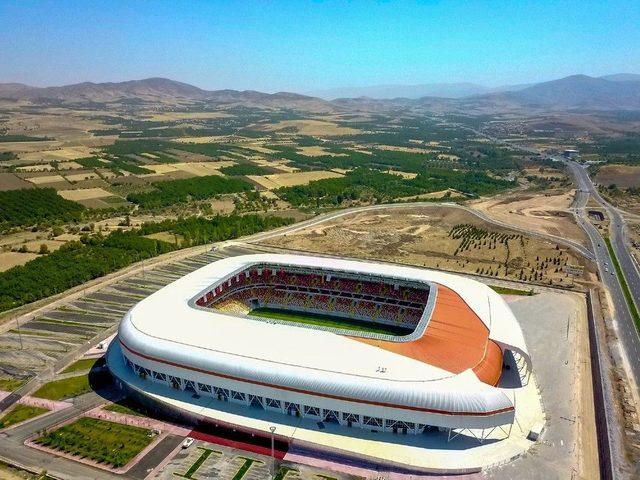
(98, 440)
(511, 291)
(72, 386)
(328, 321)
(82, 365)
(11, 384)
(20, 413)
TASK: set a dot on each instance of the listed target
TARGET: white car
(187, 442)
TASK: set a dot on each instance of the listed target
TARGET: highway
(628, 333)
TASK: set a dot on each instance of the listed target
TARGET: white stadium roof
(166, 328)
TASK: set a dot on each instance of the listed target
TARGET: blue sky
(308, 45)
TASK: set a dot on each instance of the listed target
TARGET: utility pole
(19, 334)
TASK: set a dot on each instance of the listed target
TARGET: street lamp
(272, 428)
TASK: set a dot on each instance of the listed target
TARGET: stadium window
(273, 403)
(204, 388)
(331, 416)
(350, 418)
(372, 421)
(292, 408)
(255, 401)
(175, 382)
(315, 411)
(237, 395)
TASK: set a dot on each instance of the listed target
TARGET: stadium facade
(406, 349)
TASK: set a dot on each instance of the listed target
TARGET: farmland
(103, 190)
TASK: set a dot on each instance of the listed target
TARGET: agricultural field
(73, 176)
(278, 180)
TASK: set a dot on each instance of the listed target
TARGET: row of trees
(198, 230)
(367, 184)
(35, 205)
(245, 169)
(184, 190)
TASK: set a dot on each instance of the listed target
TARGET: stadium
(352, 344)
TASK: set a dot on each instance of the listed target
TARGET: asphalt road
(628, 334)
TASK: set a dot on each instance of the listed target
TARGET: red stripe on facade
(306, 392)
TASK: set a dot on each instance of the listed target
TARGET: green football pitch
(329, 321)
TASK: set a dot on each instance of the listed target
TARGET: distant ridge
(611, 92)
(155, 90)
(577, 92)
(380, 92)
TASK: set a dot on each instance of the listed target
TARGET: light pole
(273, 456)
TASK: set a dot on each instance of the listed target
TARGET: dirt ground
(538, 212)
(198, 169)
(9, 181)
(423, 236)
(624, 176)
(11, 259)
(311, 127)
(91, 197)
(318, 151)
(278, 180)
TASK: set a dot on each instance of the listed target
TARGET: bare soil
(421, 236)
(548, 214)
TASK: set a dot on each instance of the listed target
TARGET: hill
(580, 92)
(158, 90)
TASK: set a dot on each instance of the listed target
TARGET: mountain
(612, 92)
(622, 77)
(447, 90)
(443, 90)
(577, 92)
(106, 92)
(158, 90)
